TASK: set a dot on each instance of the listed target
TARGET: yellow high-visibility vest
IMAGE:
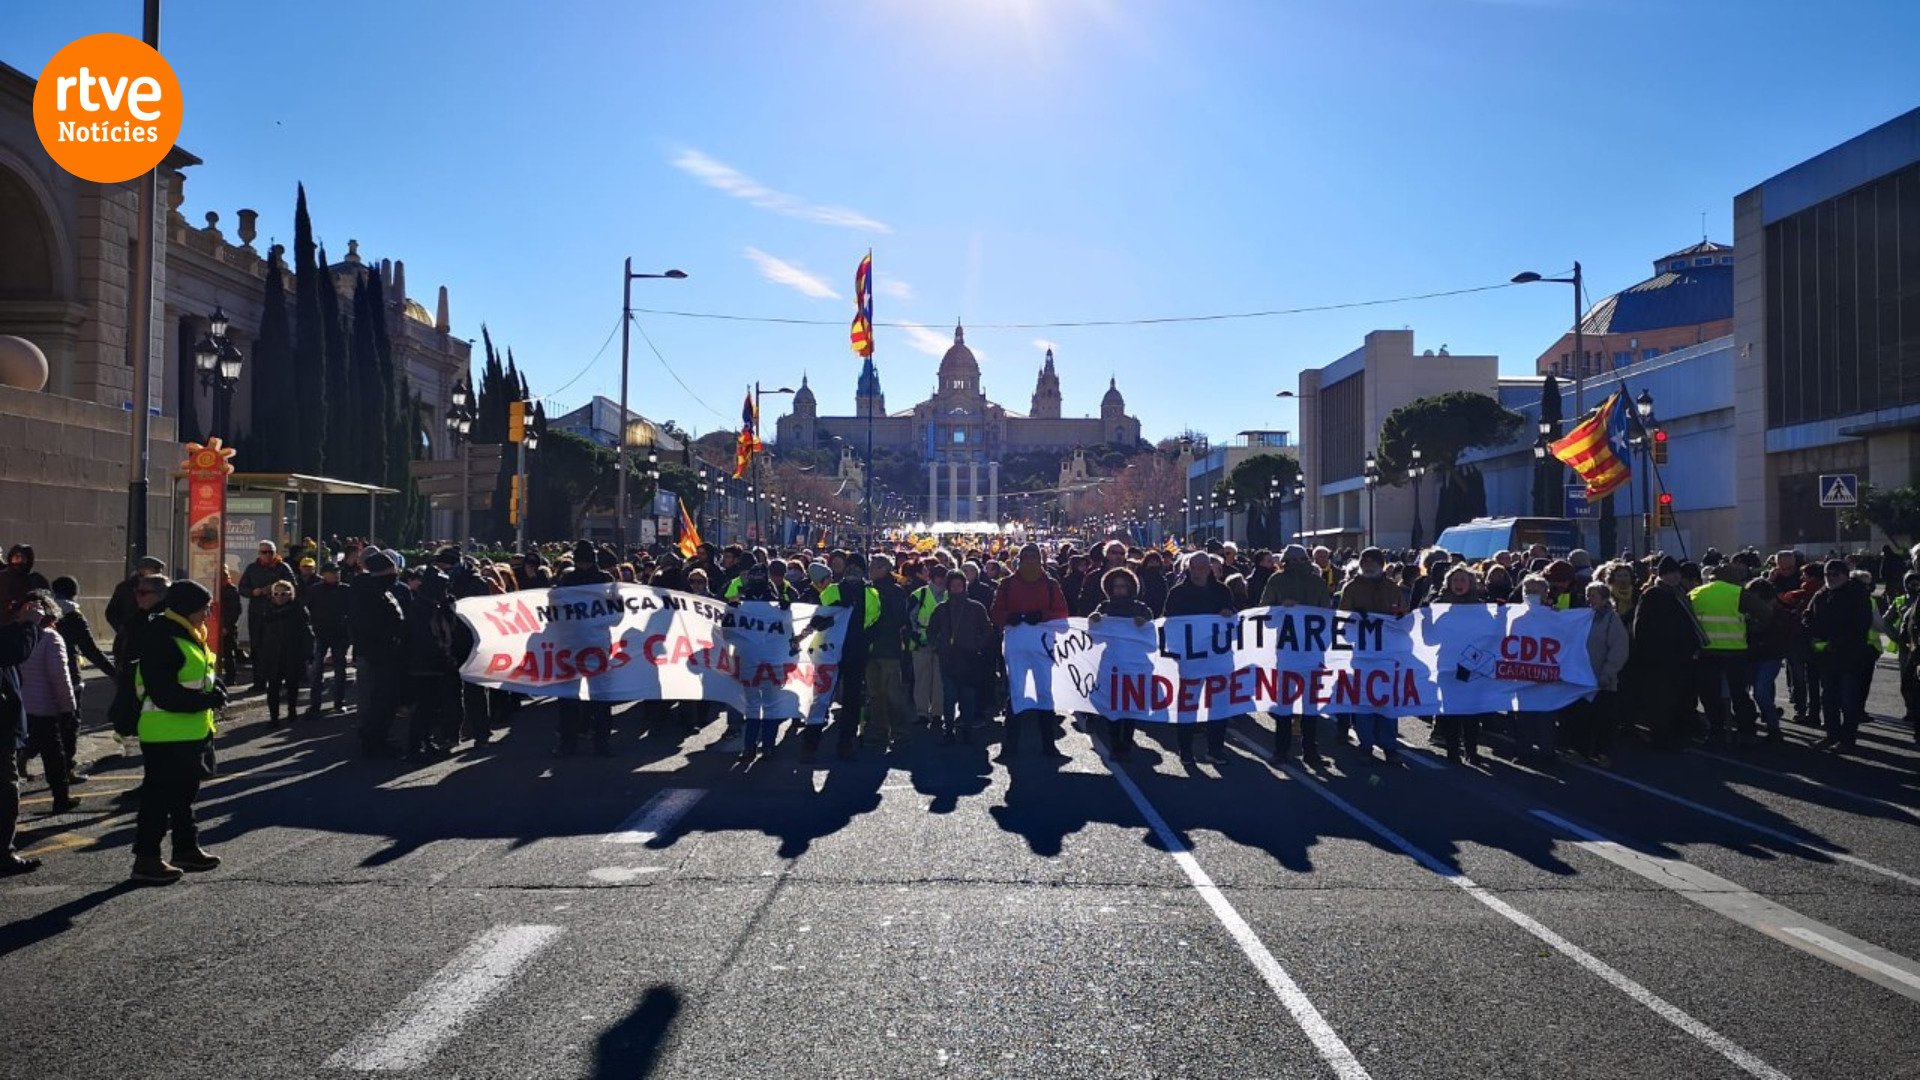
(1717, 606)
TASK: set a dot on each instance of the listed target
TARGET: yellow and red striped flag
(749, 442)
(861, 336)
(689, 533)
(1597, 449)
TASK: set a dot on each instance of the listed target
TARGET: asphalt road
(664, 913)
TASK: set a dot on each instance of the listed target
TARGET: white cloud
(723, 177)
(892, 288)
(782, 272)
(927, 339)
(1046, 346)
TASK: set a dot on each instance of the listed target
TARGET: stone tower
(1046, 393)
(867, 398)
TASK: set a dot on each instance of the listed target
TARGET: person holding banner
(1296, 584)
(1459, 732)
(1030, 597)
(576, 715)
(850, 595)
(1200, 593)
(1371, 592)
(1120, 590)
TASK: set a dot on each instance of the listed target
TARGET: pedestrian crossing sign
(1839, 491)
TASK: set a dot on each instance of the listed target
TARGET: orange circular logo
(107, 108)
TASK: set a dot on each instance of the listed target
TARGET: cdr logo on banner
(107, 108)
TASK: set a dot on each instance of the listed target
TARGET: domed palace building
(959, 435)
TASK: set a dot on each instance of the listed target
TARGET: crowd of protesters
(1681, 651)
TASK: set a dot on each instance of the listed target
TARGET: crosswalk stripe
(1749, 909)
(655, 816)
(413, 1032)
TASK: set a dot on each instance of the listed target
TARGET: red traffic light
(1659, 435)
(1666, 498)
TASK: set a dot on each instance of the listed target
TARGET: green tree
(308, 387)
(1894, 511)
(272, 434)
(1443, 426)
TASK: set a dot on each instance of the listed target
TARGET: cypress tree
(307, 389)
(375, 367)
(271, 435)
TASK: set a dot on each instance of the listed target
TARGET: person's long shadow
(56, 921)
(631, 1049)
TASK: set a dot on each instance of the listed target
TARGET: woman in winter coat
(1459, 732)
(281, 655)
(962, 636)
(1592, 722)
(1121, 592)
(46, 692)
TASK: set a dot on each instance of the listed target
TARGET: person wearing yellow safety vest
(179, 690)
(1903, 624)
(848, 594)
(1722, 675)
(1838, 619)
(922, 602)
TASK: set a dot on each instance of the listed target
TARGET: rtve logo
(107, 108)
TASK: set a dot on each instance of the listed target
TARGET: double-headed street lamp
(626, 333)
(1416, 470)
(218, 363)
(1643, 411)
(460, 417)
(1371, 477)
(1547, 503)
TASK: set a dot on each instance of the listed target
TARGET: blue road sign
(1838, 491)
(1577, 504)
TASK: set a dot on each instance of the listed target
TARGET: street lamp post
(1417, 470)
(1371, 477)
(1300, 501)
(626, 334)
(460, 418)
(529, 442)
(219, 365)
(757, 464)
(1643, 409)
(1527, 277)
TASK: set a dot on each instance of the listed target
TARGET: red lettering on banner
(499, 662)
(1162, 693)
(1189, 695)
(1320, 676)
(1346, 687)
(1266, 684)
(1534, 673)
(1379, 689)
(656, 647)
(1214, 686)
(1293, 687)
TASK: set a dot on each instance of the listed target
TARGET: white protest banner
(624, 642)
(1461, 658)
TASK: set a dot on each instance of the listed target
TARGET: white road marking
(413, 1032)
(1332, 1050)
(1864, 959)
(1749, 909)
(620, 875)
(1821, 846)
(1907, 811)
(1662, 1008)
(655, 816)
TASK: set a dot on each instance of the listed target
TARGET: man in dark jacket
(327, 602)
(1837, 623)
(464, 584)
(256, 588)
(961, 635)
(122, 605)
(576, 715)
(889, 716)
(378, 628)
(18, 578)
(1665, 644)
(19, 635)
(1200, 592)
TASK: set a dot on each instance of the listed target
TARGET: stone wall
(63, 489)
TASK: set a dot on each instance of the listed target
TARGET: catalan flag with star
(1597, 448)
(749, 442)
(861, 336)
(689, 533)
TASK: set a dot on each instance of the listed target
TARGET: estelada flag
(821, 544)
(861, 335)
(749, 443)
(1597, 449)
(689, 534)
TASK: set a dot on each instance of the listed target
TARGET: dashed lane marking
(656, 816)
(414, 1031)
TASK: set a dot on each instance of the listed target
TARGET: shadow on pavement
(631, 1049)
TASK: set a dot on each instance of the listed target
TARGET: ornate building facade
(959, 435)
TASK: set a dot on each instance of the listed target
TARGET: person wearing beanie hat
(1666, 642)
(180, 685)
(1838, 620)
(377, 626)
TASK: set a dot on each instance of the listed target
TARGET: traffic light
(516, 421)
(1663, 511)
(1659, 446)
(513, 499)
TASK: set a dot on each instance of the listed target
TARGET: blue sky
(1009, 161)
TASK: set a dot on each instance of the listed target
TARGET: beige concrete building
(1342, 406)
